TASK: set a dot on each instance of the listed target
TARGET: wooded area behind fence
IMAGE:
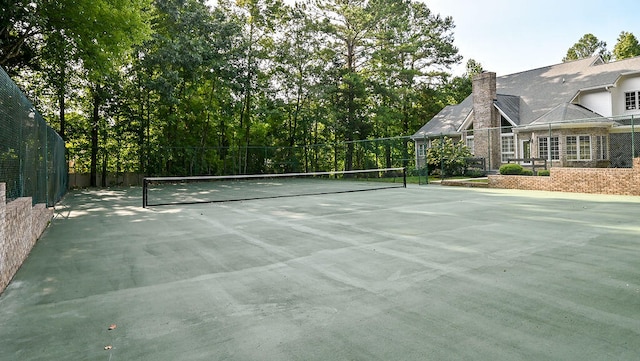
(32, 154)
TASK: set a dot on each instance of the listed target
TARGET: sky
(510, 36)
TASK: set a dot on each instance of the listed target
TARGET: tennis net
(162, 191)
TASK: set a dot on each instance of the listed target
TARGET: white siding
(623, 86)
(599, 102)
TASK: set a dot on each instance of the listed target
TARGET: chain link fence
(32, 155)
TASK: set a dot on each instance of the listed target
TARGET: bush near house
(544, 172)
(526, 172)
(448, 156)
(511, 169)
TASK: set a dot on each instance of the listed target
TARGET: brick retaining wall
(622, 181)
(20, 226)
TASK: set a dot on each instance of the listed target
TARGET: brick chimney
(486, 119)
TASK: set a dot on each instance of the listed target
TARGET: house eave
(567, 125)
(505, 116)
(434, 135)
(465, 124)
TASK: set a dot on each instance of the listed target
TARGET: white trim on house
(465, 124)
(625, 128)
(513, 124)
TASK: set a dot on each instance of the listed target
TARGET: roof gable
(509, 105)
(566, 113)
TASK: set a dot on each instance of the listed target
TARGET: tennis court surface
(417, 273)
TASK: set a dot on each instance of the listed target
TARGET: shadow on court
(423, 273)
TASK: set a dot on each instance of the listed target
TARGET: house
(576, 114)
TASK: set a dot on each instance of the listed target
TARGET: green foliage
(511, 169)
(474, 173)
(473, 67)
(182, 87)
(19, 23)
(626, 47)
(528, 172)
(586, 47)
(544, 173)
(447, 156)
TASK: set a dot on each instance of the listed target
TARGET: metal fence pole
(489, 148)
(633, 141)
(549, 148)
(441, 157)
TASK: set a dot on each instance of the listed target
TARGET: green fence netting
(32, 154)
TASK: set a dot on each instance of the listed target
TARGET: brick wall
(20, 226)
(623, 181)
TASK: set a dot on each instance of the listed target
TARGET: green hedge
(511, 169)
(544, 172)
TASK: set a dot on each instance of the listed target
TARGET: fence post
(548, 156)
(633, 140)
(441, 157)
(426, 165)
(489, 148)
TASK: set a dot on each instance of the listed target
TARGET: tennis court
(417, 273)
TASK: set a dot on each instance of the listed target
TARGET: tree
(586, 47)
(459, 88)
(294, 81)
(626, 47)
(473, 68)
(413, 48)
(351, 26)
(446, 156)
(19, 27)
(180, 87)
(184, 96)
(104, 34)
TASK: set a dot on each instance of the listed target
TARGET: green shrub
(544, 172)
(511, 169)
(474, 173)
(447, 156)
(526, 172)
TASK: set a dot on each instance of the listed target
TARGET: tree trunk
(61, 105)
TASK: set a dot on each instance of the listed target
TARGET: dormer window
(631, 100)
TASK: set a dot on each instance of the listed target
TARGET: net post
(144, 192)
(404, 177)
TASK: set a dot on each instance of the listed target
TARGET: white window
(602, 150)
(631, 100)
(507, 147)
(421, 149)
(549, 148)
(470, 144)
(578, 147)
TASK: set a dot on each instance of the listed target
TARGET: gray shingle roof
(539, 92)
(570, 113)
(447, 121)
(510, 106)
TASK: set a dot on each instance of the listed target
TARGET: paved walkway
(423, 273)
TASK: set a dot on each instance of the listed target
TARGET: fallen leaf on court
(112, 327)
(108, 347)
